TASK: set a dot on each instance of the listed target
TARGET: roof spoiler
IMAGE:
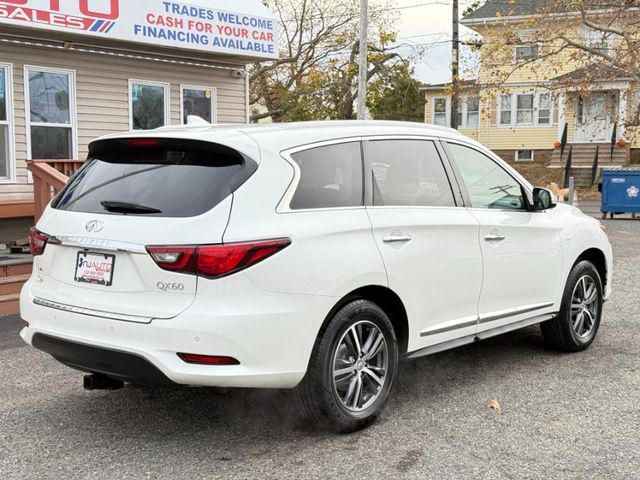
(196, 121)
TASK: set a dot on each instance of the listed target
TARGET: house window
(524, 155)
(50, 100)
(472, 117)
(505, 109)
(199, 102)
(148, 105)
(544, 109)
(6, 149)
(468, 111)
(597, 40)
(527, 47)
(527, 52)
(440, 111)
(525, 109)
(524, 112)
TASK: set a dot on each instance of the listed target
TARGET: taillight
(176, 259)
(215, 261)
(37, 241)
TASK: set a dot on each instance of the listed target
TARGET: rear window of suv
(161, 178)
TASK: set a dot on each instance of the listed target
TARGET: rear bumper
(270, 334)
(119, 365)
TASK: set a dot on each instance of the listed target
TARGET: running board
(493, 332)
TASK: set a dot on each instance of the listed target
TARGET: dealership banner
(217, 26)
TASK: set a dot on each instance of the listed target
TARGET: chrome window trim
(97, 244)
(284, 205)
(508, 169)
(493, 157)
(285, 202)
(91, 312)
(410, 207)
(396, 136)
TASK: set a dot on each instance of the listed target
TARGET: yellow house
(531, 92)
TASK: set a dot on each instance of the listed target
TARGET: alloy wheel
(584, 306)
(360, 366)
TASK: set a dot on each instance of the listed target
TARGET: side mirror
(542, 199)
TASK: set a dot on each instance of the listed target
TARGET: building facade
(73, 71)
(526, 99)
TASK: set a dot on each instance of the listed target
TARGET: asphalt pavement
(561, 416)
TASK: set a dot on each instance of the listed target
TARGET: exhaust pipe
(97, 381)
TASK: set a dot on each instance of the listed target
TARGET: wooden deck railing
(49, 177)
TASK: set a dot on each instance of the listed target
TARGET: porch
(17, 215)
(49, 177)
(592, 132)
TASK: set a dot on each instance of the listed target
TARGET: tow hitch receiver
(98, 381)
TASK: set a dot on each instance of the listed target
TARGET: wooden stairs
(13, 275)
(582, 157)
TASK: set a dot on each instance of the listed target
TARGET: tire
(336, 406)
(577, 323)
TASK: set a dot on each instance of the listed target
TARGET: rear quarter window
(330, 177)
(168, 178)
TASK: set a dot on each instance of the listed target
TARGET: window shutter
(492, 108)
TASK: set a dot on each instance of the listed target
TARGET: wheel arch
(388, 301)
(598, 259)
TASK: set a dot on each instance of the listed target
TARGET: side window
(50, 99)
(330, 177)
(148, 105)
(198, 101)
(5, 125)
(489, 185)
(408, 173)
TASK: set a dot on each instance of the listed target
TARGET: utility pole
(455, 67)
(364, 64)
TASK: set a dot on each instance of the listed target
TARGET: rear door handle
(396, 238)
(494, 237)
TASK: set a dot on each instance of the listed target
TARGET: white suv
(308, 255)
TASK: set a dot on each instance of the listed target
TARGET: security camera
(238, 74)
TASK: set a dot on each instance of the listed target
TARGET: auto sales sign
(215, 26)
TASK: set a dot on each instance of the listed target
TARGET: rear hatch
(132, 194)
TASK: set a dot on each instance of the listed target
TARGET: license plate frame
(95, 268)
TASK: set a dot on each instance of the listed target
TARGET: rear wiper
(125, 207)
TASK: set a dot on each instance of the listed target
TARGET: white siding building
(71, 71)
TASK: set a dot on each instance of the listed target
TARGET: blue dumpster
(620, 191)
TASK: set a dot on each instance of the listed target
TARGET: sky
(428, 23)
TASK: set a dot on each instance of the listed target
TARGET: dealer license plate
(95, 268)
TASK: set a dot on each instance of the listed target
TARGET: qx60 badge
(94, 226)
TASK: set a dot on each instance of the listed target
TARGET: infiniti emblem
(94, 226)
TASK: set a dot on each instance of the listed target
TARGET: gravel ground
(562, 416)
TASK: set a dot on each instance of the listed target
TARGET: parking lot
(562, 416)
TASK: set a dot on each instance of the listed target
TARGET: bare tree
(579, 45)
(317, 72)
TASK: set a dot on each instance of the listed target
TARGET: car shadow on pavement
(162, 414)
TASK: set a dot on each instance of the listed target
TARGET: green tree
(316, 75)
(397, 96)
